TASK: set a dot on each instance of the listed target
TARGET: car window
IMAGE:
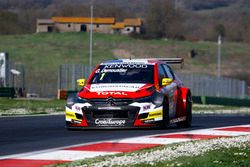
(168, 71)
(161, 73)
(124, 73)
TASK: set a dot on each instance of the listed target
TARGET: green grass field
(45, 51)
(12, 107)
(41, 54)
(231, 157)
(213, 157)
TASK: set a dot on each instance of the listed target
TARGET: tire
(187, 123)
(165, 114)
(70, 128)
(67, 125)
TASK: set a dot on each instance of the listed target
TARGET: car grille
(127, 112)
(110, 114)
(110, 102)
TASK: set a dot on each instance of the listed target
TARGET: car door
(172, 91)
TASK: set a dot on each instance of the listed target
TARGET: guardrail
(213, 86)
(196, 99)
(7, 92)
(221, 101)
(199, 85)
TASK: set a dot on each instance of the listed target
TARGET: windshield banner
(115, 87)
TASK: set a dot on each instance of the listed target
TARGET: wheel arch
(184, 93)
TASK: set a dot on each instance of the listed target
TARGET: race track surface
(34, 133)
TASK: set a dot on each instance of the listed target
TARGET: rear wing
(171, 60)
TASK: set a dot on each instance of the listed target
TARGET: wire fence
(199, 85)
(213, 86)
(42, 84)
(69, 73)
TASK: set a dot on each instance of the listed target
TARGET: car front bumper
(135, 115)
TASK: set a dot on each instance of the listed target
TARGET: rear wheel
(187, 123)
(165, 113)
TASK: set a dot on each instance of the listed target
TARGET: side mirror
(81, 82)
(166, 81)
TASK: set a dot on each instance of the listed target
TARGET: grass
(199, 107)
(10, 107)
(45, 51)
(232, 157)
(42, 53)
(23, 107)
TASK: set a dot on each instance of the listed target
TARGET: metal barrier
(68, 74)
(7, 92)
(199, 85)
(221, 101)
(213, 86)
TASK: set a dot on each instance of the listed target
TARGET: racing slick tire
(67, 125)
(187, 123)
(165, 114)
(70, 128)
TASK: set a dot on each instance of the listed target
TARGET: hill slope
(43, 53)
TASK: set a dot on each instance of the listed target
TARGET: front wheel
(165, 113)
(187, 123)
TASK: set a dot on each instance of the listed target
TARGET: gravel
(192, 148)
(24, 111)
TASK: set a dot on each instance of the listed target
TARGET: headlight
(72, 99)
(156, 98)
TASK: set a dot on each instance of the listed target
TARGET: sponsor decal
(109, 108)
(121, 70)
(78, 108)
(155, 114)
(120, 67)
(75, 121)
(110, 122)
(148, 121)
(146, 107)
(178, 119)
(115, 87)
(112, 93)
(70, 114)
(125, 65)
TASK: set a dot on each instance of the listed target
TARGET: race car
(128, 93)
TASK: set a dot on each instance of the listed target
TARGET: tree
(162, 19)
(220, 30)
(8, 23)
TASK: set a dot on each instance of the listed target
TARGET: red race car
(131, 93)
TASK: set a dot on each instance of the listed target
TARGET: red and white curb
(90, 150)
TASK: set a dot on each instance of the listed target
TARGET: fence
(213, 86)
(199, 85)
(68, 74)
(14, 78)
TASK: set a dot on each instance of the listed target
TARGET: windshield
(124, 73)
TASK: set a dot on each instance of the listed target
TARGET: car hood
(121, 90)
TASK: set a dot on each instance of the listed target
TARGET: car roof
(132, 61)
(151, 61)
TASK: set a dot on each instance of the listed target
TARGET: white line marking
(67, 155)
(147, 140)
(142, 140)
(215, 132)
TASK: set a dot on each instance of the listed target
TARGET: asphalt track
(34, 133)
